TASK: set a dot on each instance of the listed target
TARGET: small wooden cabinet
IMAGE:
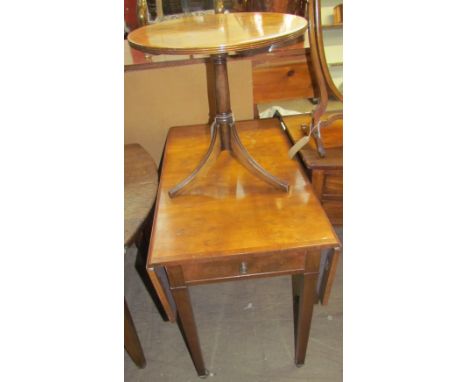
(326, 174)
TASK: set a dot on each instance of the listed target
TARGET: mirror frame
(332, 89)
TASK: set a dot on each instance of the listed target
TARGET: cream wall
(159, 98)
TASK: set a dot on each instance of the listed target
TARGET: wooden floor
(245, 329)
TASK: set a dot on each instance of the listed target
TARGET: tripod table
(217, 35)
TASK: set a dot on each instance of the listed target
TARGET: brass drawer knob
(243, 268)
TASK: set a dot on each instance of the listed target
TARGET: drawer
(333, 185)
(281, 82)
(334, 210)
(244, 267)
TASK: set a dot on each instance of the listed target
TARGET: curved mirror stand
(329, 30)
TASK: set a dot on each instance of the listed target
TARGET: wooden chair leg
(131, 340)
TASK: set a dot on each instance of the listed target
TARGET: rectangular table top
(227, 211)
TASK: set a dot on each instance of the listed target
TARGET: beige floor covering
(245, 330)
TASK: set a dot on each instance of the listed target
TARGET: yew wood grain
(227, 211)
(217, 33)
(230, 225)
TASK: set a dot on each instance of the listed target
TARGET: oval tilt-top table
(217, 35)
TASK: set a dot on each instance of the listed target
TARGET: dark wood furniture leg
(224, 134)
(131, 340)
(185, 316)
(304, 298)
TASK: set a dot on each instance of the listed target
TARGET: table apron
(245, 267)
